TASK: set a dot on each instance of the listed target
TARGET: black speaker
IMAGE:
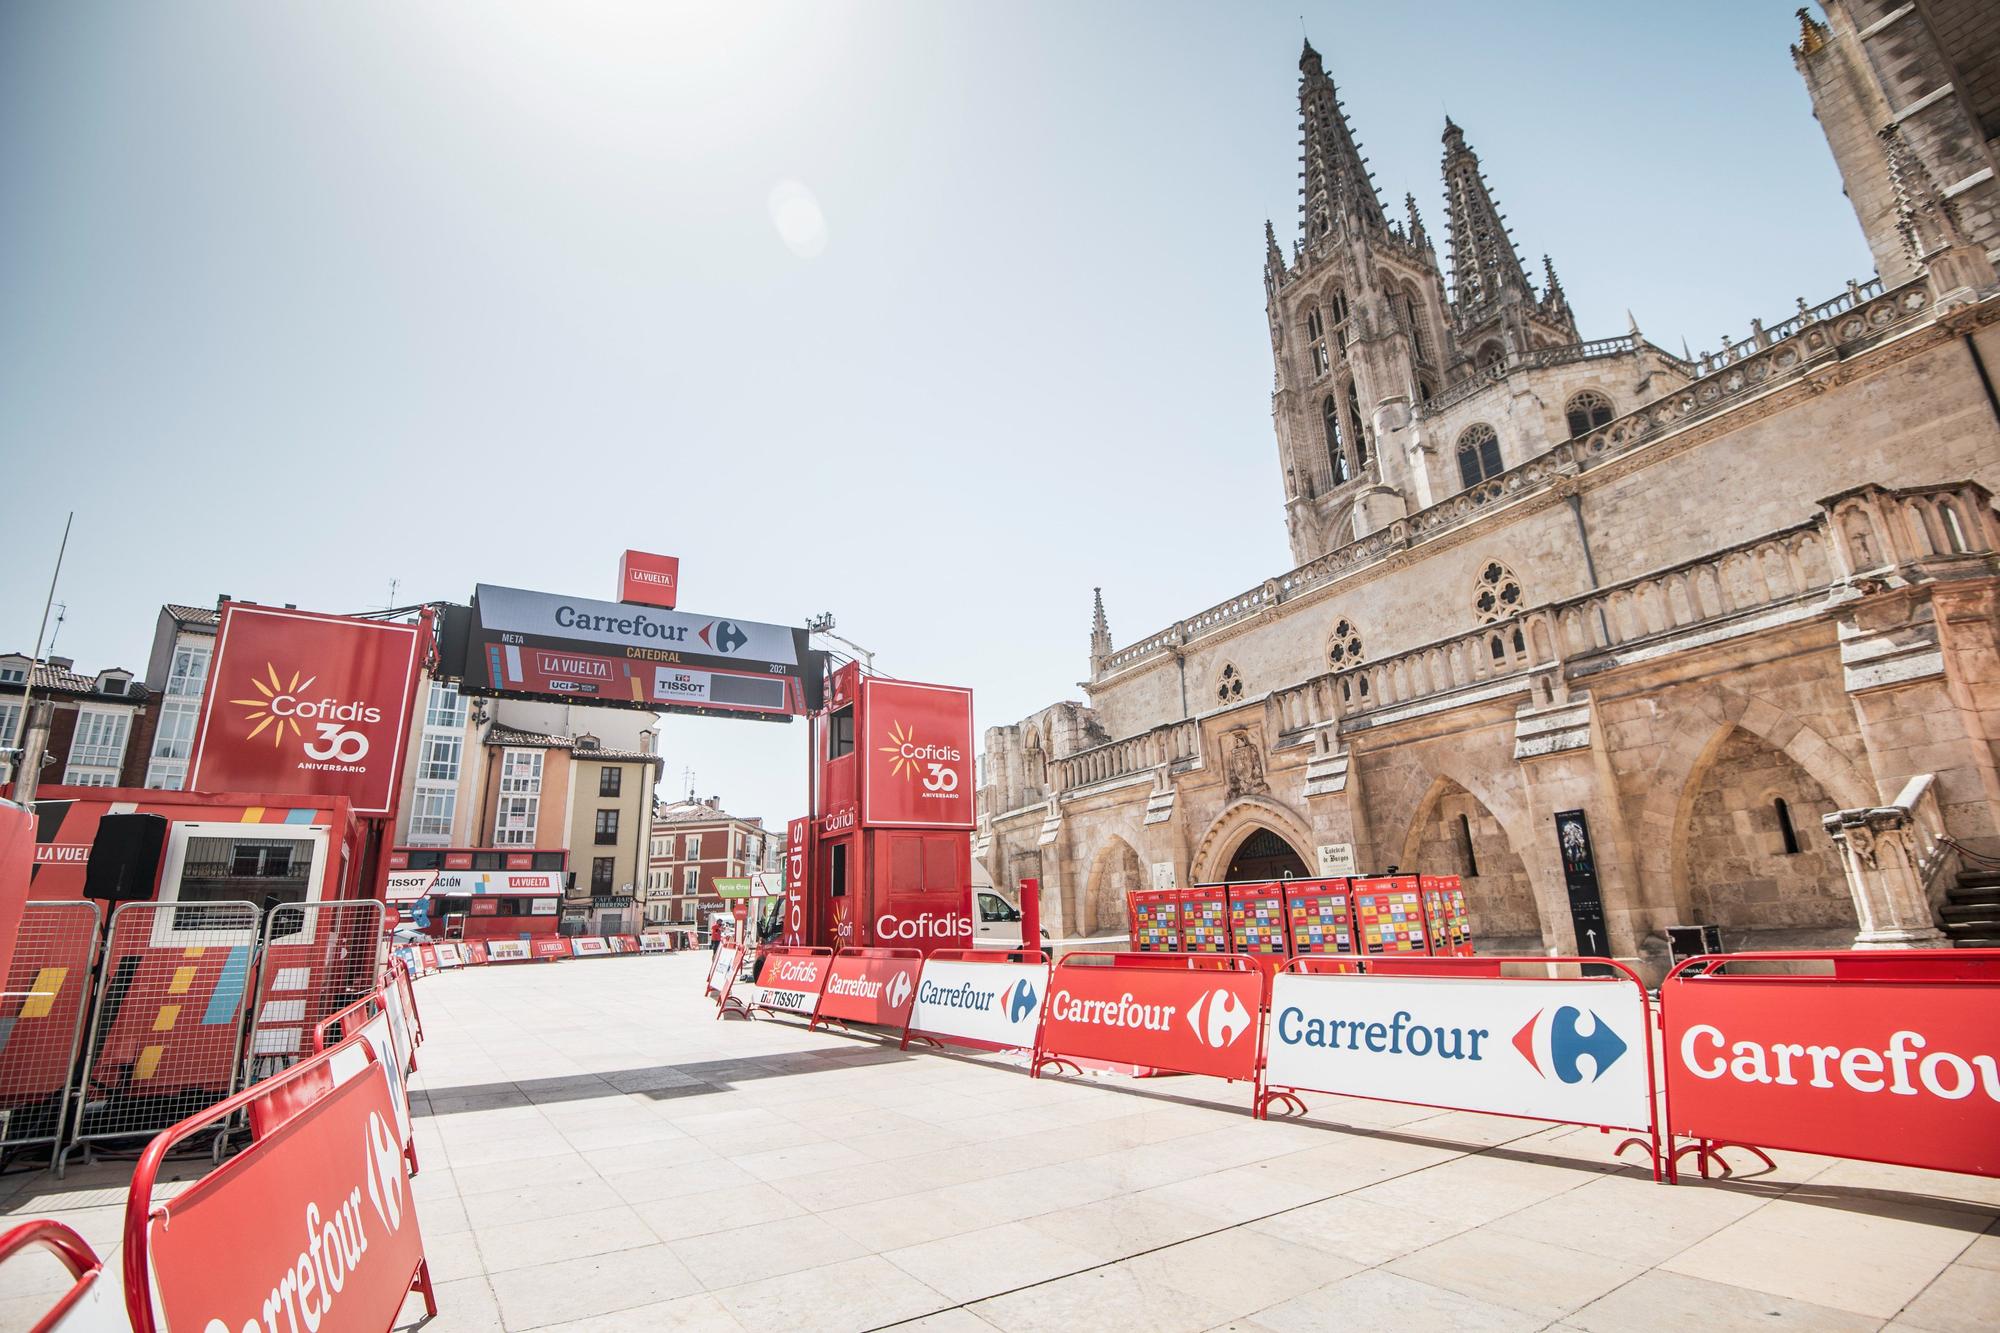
(125, 857)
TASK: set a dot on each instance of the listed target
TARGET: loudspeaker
(125, 857)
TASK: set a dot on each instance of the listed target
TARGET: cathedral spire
(1334, 177)
(1554, 302)
(1418, 236)
(1100, 631)
(1274, 258)
(1484, 264)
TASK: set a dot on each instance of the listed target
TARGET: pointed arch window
(1420, 342)
(1586, 412)
(1478, 455)
(1360, 428)
(1316, 341)
(1336, 456)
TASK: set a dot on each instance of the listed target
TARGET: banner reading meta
(316, 1217)
(298, 702)
(1549, 1050)
(1192, 1022)
(997, 1004)
(1876, 1071)
(864, 987)
(792, 981)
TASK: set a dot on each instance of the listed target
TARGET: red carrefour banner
(307, 703)
(918, 754)
(315, 1218)
(1876, 1070)
(1194, 1022)
(871, 986)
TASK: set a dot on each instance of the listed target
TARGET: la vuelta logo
(283, 704)
(912, 760)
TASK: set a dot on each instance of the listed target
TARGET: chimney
(62, 663)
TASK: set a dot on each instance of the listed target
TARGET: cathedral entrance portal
(1264, 856)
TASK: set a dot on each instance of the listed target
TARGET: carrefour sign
(1550, 1050)
(999, 1004)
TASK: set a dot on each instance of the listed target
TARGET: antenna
(62, 614)
(393, 585)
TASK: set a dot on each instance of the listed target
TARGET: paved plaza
(598, 1153)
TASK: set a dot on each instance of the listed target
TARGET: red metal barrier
(1493, 1044)
(1201, 1017)
(1883, 1057)
(790, 979)
(871, 985)
(41, 1018)
(91, 1302)
(249, 1209)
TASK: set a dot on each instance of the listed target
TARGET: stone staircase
(1972, 910)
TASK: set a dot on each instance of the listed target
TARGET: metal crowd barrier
(317, 959)
(41, 1018)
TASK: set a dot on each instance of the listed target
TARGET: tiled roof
(539, 740)
(694, 812)
(62, 680)
(194, 615)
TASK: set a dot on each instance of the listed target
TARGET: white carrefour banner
(723, 966)
(507, 951)
(999, 1003)
(451, 955)
(1552, 1050)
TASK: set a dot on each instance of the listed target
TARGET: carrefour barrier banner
(1549, 1050)
(722, 967)
(314, 704)
(996, 1003)
(316, 1221)
(1194, 1022)
(860, 989)
(352, 1062)
(1877, 1071)
(450, 955)
(792, 982)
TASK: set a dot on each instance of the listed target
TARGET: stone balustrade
(1173, 743)
(1857, 294)
(1864, 311)
(1898, 861)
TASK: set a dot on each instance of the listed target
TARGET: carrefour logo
(1021, 1001)
(1552, 1043)
(1218, 1019)
(282, 704)
(899, 990)
(913, 759)
(725, 636)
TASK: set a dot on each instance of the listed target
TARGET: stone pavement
(600, 1153)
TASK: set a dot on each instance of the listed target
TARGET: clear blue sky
(299, 300)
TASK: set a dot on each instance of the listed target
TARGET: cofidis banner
(298, 702)
(1877, 1071)
(862, 988)
(313, 1226)
(792, 981)
(1549, 1050)
(1193, 1022)
(998, 1004)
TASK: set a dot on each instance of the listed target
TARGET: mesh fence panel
(167, 1035)
(318, 958)
(41, 1018)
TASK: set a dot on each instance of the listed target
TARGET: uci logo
(1021, 1001)
(1218, 1019)
(1556, 1044)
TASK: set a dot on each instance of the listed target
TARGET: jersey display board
(318, 1214)
(1319, 917)
(871, 986)
(917, 752)
(574, 650)
(1548, 1050)
(1163, 1018)
(1388, 915)
(304, 703)
(1257, 919)
(1880, 1071)
(791, 980)
(991, 1004)
(1445, 912)
(1205, 920)
(1156, 920)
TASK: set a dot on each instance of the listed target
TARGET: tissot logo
(283, 703)
(1552, 1044)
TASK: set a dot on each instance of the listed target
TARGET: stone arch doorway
(1263, 855)
(1114, 874)
(1752, 855)
(1455, 834)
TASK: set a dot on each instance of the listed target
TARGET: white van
(996, 921)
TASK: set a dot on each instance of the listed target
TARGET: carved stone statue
(1244, 766)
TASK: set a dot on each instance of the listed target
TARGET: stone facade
(1537, 574)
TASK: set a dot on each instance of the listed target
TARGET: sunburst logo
(902, 741)
(908, 758)
(272, 711)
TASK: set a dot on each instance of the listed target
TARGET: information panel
(575, 650)
(1156, 921)
(1205, 920)
(1319, 917)
(1389, 916)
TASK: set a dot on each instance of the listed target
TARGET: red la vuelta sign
(918, 752)
(861, 988)
(315, 704)
(1876, 1071)
(1194, 1022)
(312, 1227)
(648, 579)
